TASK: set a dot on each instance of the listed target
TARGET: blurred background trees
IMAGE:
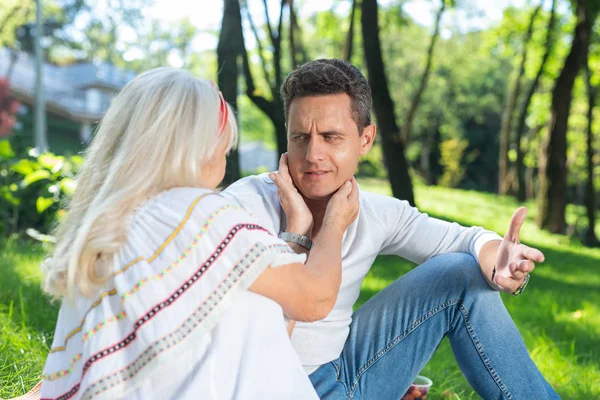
(507, 105)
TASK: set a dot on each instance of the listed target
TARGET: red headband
(223, 110)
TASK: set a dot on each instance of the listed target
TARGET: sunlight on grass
(558, 315)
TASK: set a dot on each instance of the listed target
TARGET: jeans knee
(460, 269)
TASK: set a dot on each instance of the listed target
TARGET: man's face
(324, 144)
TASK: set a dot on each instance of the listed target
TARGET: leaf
(42, 204)
(67, 186)
(51, 162)
(6, 150)
(24, 167)
(36, 176)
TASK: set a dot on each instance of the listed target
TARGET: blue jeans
(394, 334)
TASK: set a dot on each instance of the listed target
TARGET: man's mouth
(315, 174)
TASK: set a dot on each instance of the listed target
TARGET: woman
(170, 290)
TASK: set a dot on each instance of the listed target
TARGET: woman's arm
(307, 292)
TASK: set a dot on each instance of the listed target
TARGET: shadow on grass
(537, 309)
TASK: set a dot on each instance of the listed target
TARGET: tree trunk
(590, 238)
(14, 55)
(521, 190)
(350, 35)
(412, 111)
(297, 48)
(507, 117)
(553, 170)
(273, 109)
(393, 146)
(228, 51)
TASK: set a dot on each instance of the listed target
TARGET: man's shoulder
(257, 194)
(253, 184)
(377, 202)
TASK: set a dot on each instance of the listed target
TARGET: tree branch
(261, 52)
(298, 34)
(350, 35)
(263, 104)
(406, 131)
(292, 41)
(277, 50)
(268, 19)
(507, 118)
(521, 193)
(9, 16)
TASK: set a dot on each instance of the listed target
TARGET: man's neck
(317, 209)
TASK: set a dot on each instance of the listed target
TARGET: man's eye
(299, 138)
(330, 137)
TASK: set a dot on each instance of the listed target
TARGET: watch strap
(302, 240)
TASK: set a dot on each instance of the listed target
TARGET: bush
(32, 189)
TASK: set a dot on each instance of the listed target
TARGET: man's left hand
(515, 260)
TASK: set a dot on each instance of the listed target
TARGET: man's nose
(315, 151)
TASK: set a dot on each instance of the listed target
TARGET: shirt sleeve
(418, 237)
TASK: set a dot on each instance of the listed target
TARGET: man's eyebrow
(298, 132)
(331, 133)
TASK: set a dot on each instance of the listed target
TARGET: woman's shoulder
(179, 212)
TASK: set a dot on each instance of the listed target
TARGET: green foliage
(371, 165)
(452, 151)
(32, 189)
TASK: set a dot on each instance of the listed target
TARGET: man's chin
(317, 195)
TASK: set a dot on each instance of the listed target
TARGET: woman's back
(189, 257)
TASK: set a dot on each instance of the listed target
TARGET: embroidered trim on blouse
(180, 333)
(127, 266)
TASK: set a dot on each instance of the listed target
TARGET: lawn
(558, 316)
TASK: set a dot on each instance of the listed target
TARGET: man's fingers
(532, 254)
(526, 266)
(284, 169)
(515, 271)
(282, 185)
(354, 189)
(516, 222)
(507, 284)
(345, 190)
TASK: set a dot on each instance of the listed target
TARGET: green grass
(27, 319)
(558, 316)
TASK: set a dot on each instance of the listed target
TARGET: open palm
(515, 260)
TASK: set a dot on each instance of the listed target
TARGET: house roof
(64, 86)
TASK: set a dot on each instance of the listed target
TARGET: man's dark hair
(330, 76)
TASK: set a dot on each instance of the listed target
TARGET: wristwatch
(302, 240)
(522, 287)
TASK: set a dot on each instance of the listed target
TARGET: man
(377, 351)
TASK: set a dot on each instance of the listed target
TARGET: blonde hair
(158, 133)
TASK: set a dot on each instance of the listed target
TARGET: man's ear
(367, 139)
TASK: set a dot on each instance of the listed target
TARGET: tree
(590, 237)
(228, 52)
(271, 105)
(393, 145)
(410, 115)
(553, 167)
(507, 117)
(298, 52)
(520, 164)
(348, 45)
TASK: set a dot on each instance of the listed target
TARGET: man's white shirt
(385, 225)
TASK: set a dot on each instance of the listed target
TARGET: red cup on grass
(419, 389)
